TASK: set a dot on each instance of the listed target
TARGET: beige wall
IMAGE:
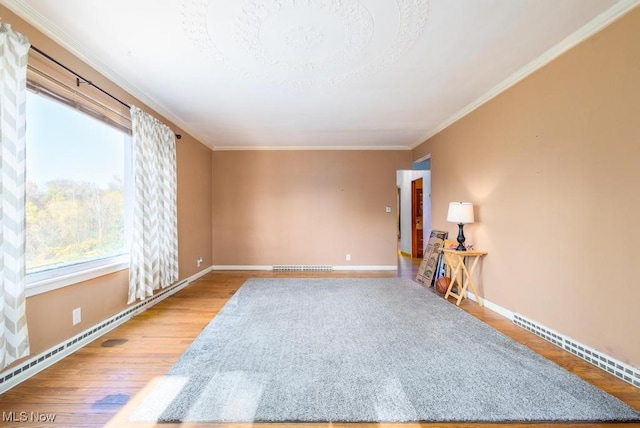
(194, 206)
(553, 166)
(49, 314)
(305, 207)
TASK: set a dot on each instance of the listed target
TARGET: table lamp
(461, 213)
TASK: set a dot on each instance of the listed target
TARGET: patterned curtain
(154, 248)
(14, 340)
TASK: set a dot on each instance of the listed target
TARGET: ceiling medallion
(304, 43)
(258, 30)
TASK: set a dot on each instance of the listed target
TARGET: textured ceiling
(316, 73)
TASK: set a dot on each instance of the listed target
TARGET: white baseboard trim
(492, 306)
(241, 267)
(23, 371)
(366, 267)
(603, 361)
(324, 267)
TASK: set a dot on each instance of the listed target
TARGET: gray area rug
(366, 350)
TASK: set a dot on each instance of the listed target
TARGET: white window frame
(52, 278)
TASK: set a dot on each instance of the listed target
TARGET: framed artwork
(431, 258)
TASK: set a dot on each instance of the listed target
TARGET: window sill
(41, 283)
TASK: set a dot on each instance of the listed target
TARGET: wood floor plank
(102, 383)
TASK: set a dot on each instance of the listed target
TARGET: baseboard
(304, 267)
(366, 267)
(241, 267)
(492, 306)
(602, 361)
(22, 371)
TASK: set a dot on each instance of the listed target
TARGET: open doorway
(404, 179)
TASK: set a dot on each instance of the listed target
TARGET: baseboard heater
(25, 370)
(313, 268)
(617, 368)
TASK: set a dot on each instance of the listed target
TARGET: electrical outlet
(387, 209)
(199, 261)
(348, 257)
(77, 316)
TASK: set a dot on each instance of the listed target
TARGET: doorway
(406, 209)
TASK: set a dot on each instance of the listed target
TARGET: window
(77, 188)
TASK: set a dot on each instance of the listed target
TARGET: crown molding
(56, 34)
(592, 27)
(307, 148)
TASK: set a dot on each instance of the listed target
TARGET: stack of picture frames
(431, 264)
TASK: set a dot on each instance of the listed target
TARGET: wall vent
(617, 368)
(23, 371)
(312, 268)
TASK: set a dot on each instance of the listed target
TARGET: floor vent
(313, 268)
(617, 368)
(17, 374)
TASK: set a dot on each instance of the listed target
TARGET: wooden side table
(459, 274)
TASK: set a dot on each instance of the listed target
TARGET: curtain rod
(80, 79)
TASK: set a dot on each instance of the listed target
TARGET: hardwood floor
(102, 383)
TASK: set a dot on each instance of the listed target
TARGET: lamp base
(460, 239)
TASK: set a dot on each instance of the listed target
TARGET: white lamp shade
(460, 212)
